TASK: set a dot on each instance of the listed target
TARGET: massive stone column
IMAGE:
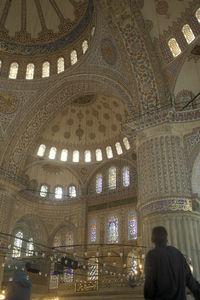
(164, 188)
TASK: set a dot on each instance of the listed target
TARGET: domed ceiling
(92, 120)
(39, 27)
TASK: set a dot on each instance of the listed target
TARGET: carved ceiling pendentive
(42, 110)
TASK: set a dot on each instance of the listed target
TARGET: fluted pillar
(164, 189)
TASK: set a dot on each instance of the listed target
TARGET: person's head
(159, 235)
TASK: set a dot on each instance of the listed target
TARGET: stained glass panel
(93, 269)
(98, 155)
(72, 191)
(57, 241)
(126, 143)
(87, 156)
(112, 230)
(30, 71)
(58, 192)
(93, 232)
(68, 275)
(112, 179)
(43, 191)
(45, 69)
(188, 33)
(0, 64)
(60, 65)
(118, 148)
(174, 47)
(64, 155)
(13, 70)
(198, 15)
(85, 46)
(75, 156)
(74, 58)
(30, 247)
(17, 244)
(69, 239)
(109, 152)
(126, 176)
(99, 183)
(132, 226)
(52, 153)
(41, 150)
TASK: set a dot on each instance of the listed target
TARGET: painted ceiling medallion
(8, 103)
(108, 51)
(84, 100)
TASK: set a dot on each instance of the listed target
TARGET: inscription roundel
(108, 51)
(8, 103)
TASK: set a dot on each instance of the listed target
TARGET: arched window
(109, 152)
(93, 268)
(30, 71)
(72, 191)
(45, 69)
(93, 232)
(74, 57)
(58, 192)
(85, 46)
(126, 143)
(93, 31)
(113, 230)
(30, 247)
(52, 153)
(75, 156)
(0, 64)
(60, 65)
(13, 70)
(118, 148)
(132, 226)
(126, 176)
(69, 240)
(112, 178)
(57, 241)
(198, 15)
(17, 244)
(43, 190)
(174, 47)
(87, 156)
(98, 155)
(188, 33)
(99, 181)
(64, 155)
(41, 150)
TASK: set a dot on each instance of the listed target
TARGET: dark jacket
(19, 288)
(167, 274)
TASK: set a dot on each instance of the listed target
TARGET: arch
(69, 227)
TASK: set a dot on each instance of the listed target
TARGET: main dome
(36, 27)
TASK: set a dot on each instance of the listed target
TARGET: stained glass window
(13, 70)
(99, 181)
(75, 156)
(85, 46)
(126, 176)
(93, 268)
(109, 152)
(0, 64)
(68, 275)
(30, 247)
(60, 65)
(41, 150)
(112, 230)
(132, 226)
(64, 155)
(126, 143)
(72, 191)
(57, 241)
(43, 191)
(98, 155)
(52, 153)
(112, 178)
(69, 239)
(17, 244)
(118, 148)
(74, 58)
(174, 47)
(58, 192)
(87, 156)
(30, 71)
(198, 15)
(46, 69)
(93, 232)
(188, 33)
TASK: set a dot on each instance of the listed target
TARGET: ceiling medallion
(8, 103)
(84, 100)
